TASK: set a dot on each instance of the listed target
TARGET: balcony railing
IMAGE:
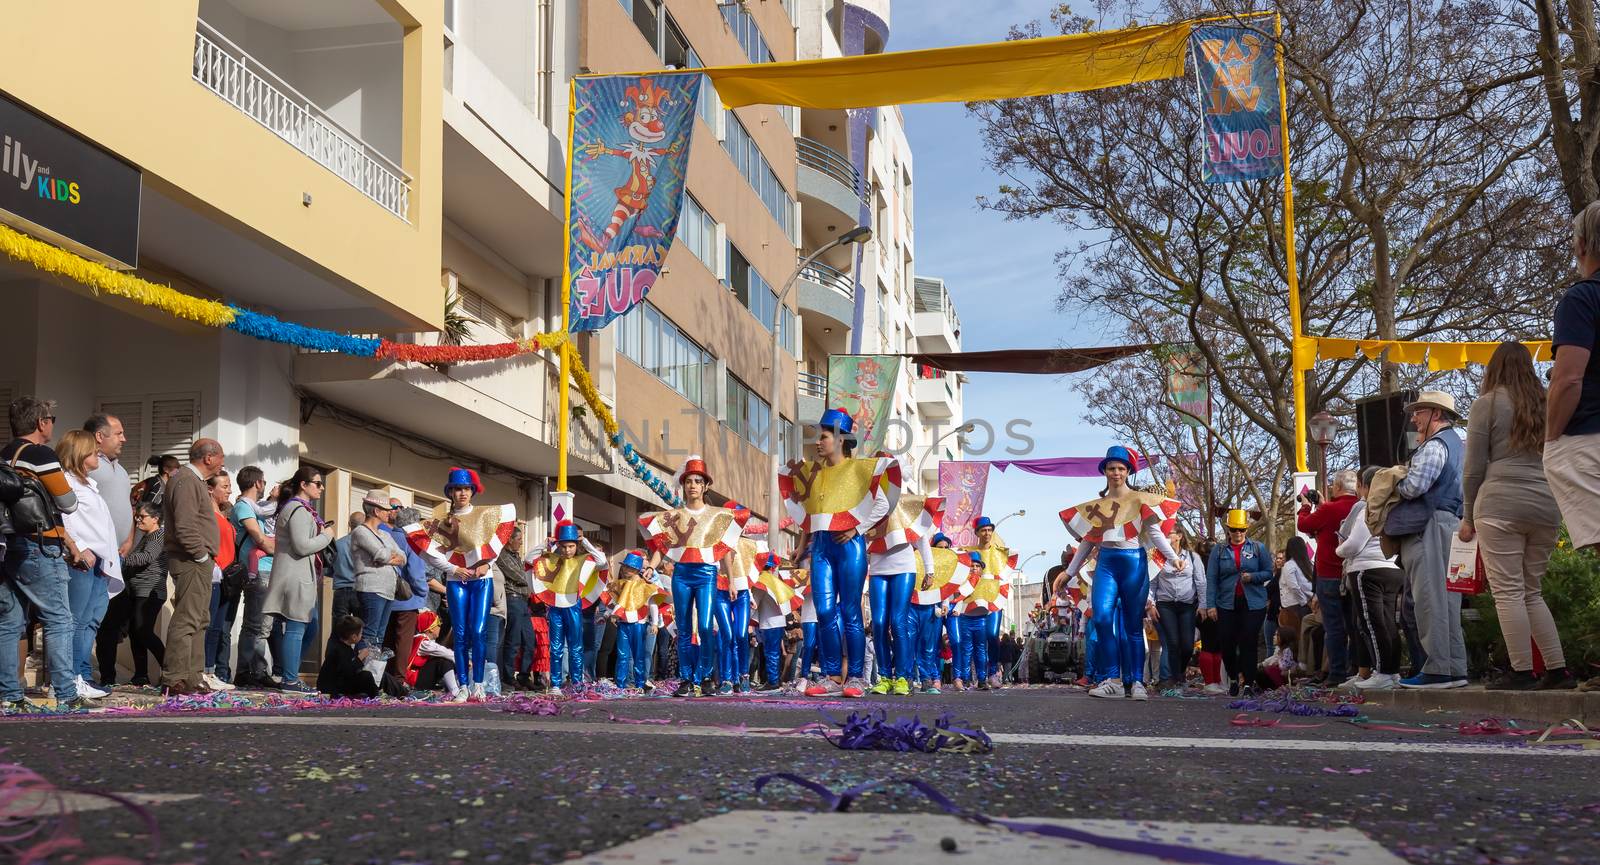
(248, 85)
(831, 277)
(812, 385)
(819, 156)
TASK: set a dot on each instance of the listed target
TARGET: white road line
(1037, 739)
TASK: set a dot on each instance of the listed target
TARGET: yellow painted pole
(563, 409)
(1296, 326)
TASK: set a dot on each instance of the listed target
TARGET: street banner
(1237, 73)
(863, 385)
(1187, 386)
(627, 154)
(962, 484)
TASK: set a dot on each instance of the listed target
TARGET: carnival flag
(627, 153)
(962, 484)
(1237, 73)
(863, 385)
(1187, 386)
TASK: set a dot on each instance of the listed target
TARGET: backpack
(29, 507)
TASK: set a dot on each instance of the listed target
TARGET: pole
(563, 410)
(1296, 326)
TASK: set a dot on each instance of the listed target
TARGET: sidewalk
(1550, 707)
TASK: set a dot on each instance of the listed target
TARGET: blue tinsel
(263, 326)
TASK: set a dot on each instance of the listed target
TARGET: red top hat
(695, 465)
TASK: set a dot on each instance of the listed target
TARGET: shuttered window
(155, 425)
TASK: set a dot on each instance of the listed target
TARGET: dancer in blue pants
(634, 601)
(898, 551)
(835, 498)
(696, 537)
(568, 583)
(777, 593)
(1117, 526)
(929, 605)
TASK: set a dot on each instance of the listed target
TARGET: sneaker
(1557, 680)
(1214, 689)
(1108, 688)
(883, 687)
(983, 685)
(461, 695)
(140, 681)
(902, 688)
(1460, 682)
(87, 690)
(685, 689)
(708, 688)
(1138, 692)
(296, 688)
(1431, 681)
(78, 705)
(211, 683)
(554, 691)
(21, 707)
(1380, 682)
(824, 687)
(931, 688)
(854, 688)
(725, 688)
(1354, 683)
(768, 687)
(744, 685)
(957, 685)
(1516, 680)
(477, 695)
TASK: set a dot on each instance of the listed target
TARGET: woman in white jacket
(1378, 580)
(93, 558)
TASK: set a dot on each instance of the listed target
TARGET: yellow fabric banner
(1437, 355)
(996, 70)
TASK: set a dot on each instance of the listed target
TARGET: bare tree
(1569, 68)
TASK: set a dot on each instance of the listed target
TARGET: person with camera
(1321, 521)
(35, 570)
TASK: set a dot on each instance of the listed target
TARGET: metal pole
(1296, 326)
(563, 435)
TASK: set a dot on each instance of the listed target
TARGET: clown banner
(1236, 71)
(627, 154)
(863, 385)
(962, 485)
(1187, 385)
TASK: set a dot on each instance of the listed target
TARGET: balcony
(828, 303)
(826, 177)
(934, 322)
(811, 395)
(936, 396)
(227, 70)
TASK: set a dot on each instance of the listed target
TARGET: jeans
(291, 641)
(494, 630)
(733, 626)
(219, 634)
(594, 636)
(36, 574)
(1376, 607)
(632, 659)
(1335, 639)
(1121, 587)
(838, 574)
(694, 588)
(566, 644)
(469, 605)
(374, 619)
(253, 664)
(519, 638)
(86, 594)
(650, 653)
(1427, 559)
(891, 609)
(1175, 624)
(974, 643)
(926, 627)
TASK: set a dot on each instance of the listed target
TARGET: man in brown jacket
(192, 541)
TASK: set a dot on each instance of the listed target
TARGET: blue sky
(983, 257)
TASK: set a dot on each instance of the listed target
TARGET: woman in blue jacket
(1237, 590)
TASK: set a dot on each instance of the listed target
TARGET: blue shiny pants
(974, 643)
(838, 575)
(772, 654)
(469, 613)
(694, 587)
(566, 643)
(733, 629)
(995, 620)
(926, 626)
(952, 628)
(808, 650)
(1091, 653)
(1121, 587)
(890, 596)
(633, 663)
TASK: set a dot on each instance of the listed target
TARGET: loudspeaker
(1384, 436)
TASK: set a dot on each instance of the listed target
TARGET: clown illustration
(641, 116)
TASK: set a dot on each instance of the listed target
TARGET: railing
(831, 277)
(815, 154)
(812, 385)
(244, 82)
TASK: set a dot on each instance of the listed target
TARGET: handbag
(237, 573)
(1408, 517)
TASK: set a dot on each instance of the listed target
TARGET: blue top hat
(976, 558)
(566, 531)
(940, 537)
(982, 523)
(634, 559)
(1120, 454)
(840, 420)
(460, 477)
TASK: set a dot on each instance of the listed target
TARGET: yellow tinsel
(591, 394)
(99, 278)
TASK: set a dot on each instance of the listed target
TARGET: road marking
(914, 839)
(1039, 739)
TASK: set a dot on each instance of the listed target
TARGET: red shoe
(855, 688)
(824, 687)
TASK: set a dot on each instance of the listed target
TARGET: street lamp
(964, 429)
(1324, 429)
(1018, 513)
(859, 234)
(1029, 559)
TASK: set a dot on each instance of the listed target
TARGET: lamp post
(859, 234)
(1016, 513)
(1324, 429)
(964, 429)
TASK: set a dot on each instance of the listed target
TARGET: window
(759, 297)
(747, 157)
(159, 425)
(647, 17)
(486, 313)
(697, 231)
(709, 105)
(791, 442)
(748, 414)
(652, 341)
(658, 29)
(744, 28)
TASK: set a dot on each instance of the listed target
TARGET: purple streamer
(873, 731)
(1295, 707)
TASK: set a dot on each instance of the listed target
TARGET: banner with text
(1237, 73)
(1187, 385)
(863, 385)
(628, 152)
(962, 484)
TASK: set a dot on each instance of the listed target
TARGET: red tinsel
(451, 353)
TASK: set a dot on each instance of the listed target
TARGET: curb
(1549, 707)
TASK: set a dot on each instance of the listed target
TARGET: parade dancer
(733, 603)
(634, 601)
(975, 621)
(937, 587)
(834, 498)
(1113, 525)
(898, 549)
(952, 624)
(695, 538)
(778, 591)
(568, 583)
(463, 539)
(997, 560)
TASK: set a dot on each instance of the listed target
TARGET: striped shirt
(41, 462)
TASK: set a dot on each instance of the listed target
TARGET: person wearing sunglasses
(300, 534)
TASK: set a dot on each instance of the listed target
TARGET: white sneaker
(1379, 682)
(554, 692)
(1214, 690)
(1138, 692)
(212, 683)
(1355, 683)
(87, 690)
(460, 696)
(477, 693)
(1108, 688)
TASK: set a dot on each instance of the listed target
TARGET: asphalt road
(469, 783)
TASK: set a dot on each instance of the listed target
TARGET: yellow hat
(1237, 519)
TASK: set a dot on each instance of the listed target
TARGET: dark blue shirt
(1577, 323)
